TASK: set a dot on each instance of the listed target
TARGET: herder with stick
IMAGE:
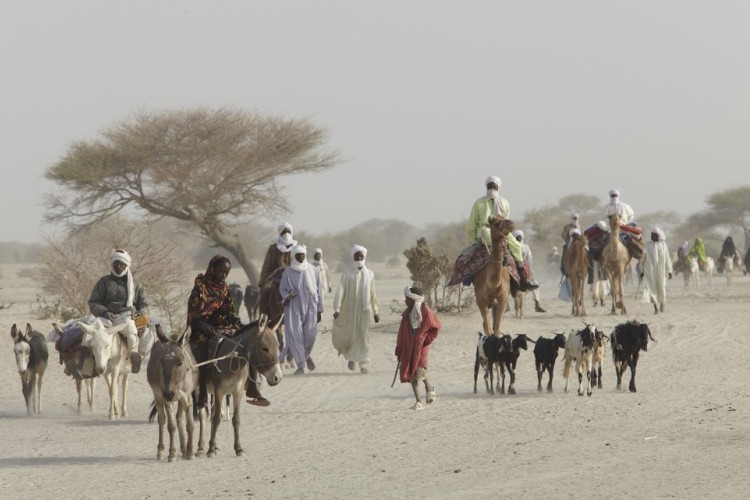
(419, 328)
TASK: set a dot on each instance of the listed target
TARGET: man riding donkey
(478, 232)
(212, 315)
(117, 300)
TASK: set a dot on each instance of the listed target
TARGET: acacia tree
(214, 169)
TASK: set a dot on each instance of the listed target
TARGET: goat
(627, 340)
(597, 360)
(579, 347)
(489, 349)
(508, 360)
(545, 354)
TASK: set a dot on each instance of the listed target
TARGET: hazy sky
(424, 99)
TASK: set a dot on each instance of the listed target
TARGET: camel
(615, 259)
(492, 283)
(576, 263)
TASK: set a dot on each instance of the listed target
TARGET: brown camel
(576, 263)
(492, 283)
(615, 259)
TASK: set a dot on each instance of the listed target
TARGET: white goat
(579, 347)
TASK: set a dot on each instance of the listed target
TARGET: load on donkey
(493, 273)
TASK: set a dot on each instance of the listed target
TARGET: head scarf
(318, 250)
(211, 295)
(286, 242)
(658, 232)
(305, 268)
(574, 217)
(366, 276)
(124, 257)
(495, 179)
(614, 192)
(517, 233)
(727, 248)
(415, 315)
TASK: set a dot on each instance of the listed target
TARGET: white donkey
(111, 359)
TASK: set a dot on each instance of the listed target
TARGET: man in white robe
(303, 306)
(656, 267)
(616, 206)
(325, 273)
(354, 304)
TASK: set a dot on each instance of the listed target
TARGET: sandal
(430, 396)
(261, 401)
(417, 406)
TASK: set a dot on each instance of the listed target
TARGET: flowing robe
(351, 330)
(325, 274)
(656, 264)
(413, 345)
(300, 313)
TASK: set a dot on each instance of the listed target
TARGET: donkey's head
(21, 347)
(175, 364)
(100, 341)
(262, 348)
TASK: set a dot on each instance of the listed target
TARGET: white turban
(495, 179)
(614, 192)
(415, 316)
(124, 257)
(574, 216)
(304, 267)
(359, 248)
(285, 243)
(318, 250)
(120, 255)
(657, 231)
(517, 233)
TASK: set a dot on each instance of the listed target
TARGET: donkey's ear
(160, 333)
(183, 339)
(14, 332)
(29, 330)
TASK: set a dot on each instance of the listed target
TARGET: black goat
(235, 293)
(627, 340)
(252, 298)
(489, 350)
(545, 354)
(508, 360)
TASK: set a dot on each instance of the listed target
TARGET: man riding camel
(478, 231)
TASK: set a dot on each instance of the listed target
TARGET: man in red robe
(419, 328)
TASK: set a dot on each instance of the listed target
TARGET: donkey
(254, 344)
(173, 377)
(111, 359)
(85, 375)
(31, 352)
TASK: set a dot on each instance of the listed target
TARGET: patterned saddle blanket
(474, 258)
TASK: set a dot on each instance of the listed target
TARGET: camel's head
(500, 227)
(614, 221)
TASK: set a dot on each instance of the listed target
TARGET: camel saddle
(475, 257)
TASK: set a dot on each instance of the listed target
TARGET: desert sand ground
(334, 433)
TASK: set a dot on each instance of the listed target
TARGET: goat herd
(585, 347)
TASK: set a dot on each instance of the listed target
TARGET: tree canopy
(213, 169)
